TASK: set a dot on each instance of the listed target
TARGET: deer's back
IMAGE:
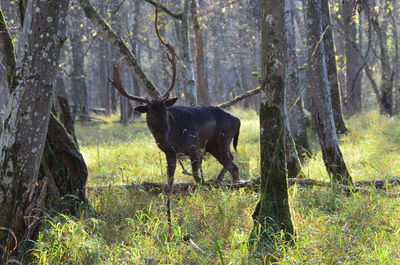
(204, 122)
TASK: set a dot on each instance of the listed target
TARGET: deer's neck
(160, 131)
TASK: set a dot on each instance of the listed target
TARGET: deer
(186, 131)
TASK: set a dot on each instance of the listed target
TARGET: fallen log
(378, 184)
(341, 187)
(253, 184)
(182, 187)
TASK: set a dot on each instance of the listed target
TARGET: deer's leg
(215, 152)
(195, 159)
(223, 154)
(171, 166)
(234, 170)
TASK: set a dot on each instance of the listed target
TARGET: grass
(131, 227)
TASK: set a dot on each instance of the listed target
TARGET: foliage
(131, 228)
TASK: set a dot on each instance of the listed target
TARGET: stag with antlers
(181, 130)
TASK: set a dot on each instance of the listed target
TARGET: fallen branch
(183, 187)
(239, 98)
(190, 241)
(378, 184)
(253, 184)
(341, 187)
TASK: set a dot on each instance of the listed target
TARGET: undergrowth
(129, 227)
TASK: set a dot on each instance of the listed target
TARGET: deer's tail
(236, 138)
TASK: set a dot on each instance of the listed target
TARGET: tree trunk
(294, 101)
(272, 212)
(126, 110)
(1, 127)
(190, 83)
(217, 84)
(200, 59)
(7, 47)
(387, 74)
(81, 98)
(322, 107)
(353, 63)
(23, 140)
(332, 69)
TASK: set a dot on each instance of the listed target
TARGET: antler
(117, 83)
(171, 55)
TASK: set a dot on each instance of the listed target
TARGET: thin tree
(318, 83)
(272, 213)
(353, 62)
(299, 139)
(332, 69)
(199, 56)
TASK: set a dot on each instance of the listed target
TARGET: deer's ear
(142, 109)
(170, 102)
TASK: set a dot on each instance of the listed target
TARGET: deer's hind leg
(221, 151)
(196, 159)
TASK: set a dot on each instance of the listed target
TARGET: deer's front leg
(171, 166)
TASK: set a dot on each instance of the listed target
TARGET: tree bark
(353, 63)
(387, 74)
(7, 51)
(318, 83)
(28, 116)
(80, 90)
(332, 69)
(200, 58)
(272, 213)
(294, 101)
(190, 83)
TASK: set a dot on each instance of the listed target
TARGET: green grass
(131, 227)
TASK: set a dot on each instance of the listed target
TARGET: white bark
(29, 108)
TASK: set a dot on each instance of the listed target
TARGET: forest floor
(126, 227)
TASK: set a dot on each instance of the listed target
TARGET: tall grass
(131, 227)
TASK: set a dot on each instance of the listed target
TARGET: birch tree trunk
(272, 212)
(28, 115)
(318, 83)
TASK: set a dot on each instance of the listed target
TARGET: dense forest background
(229, 39)
(315, 83)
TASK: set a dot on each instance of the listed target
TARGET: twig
(189, 240)
(178, 16)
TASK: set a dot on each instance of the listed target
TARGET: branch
(8, 53)
(189, 240)
(239, 98)
(117, 41)
(178, 16)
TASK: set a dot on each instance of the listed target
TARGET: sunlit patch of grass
(130, 227)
